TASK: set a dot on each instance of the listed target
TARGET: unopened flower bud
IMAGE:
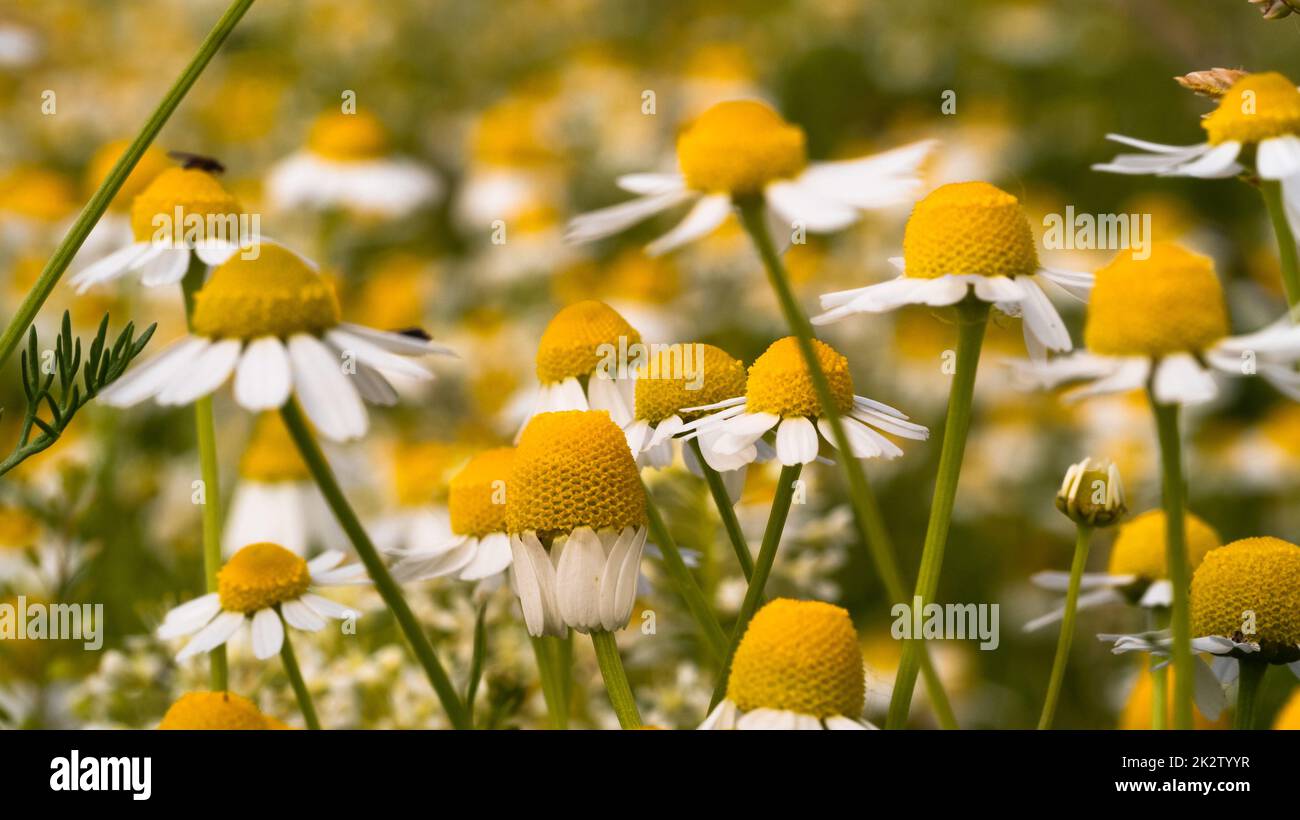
(1214, 82)
(1092, 494)
(1275, 9)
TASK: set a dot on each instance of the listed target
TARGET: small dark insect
(415, 333)
(197, 162)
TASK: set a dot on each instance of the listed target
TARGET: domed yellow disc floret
(779, 382)
(570, 345)
(214, 710)
(665, 386)
(260, 576)
(1171, 302)
(202, 201)
(799, 656)
(348, 137)
(1257, 107)
(738, 147)
(271, 456)
(1140, 546)
(477, 496)
(152, 163)
(968, 228)
(573, 469)
(276, 294)
(420, 471)
(1249, 590)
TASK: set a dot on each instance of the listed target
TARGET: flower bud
(1275, 9)
(1092, 494)
(1213, 82)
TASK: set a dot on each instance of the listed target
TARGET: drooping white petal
(189, 617)
(707, 214)
(400, 343)
(1126, 375)
(166, 268)
(325, 607)
(493, 556)
(645, 184)
(328, 396)
(151, 376)
(796, 441)
(1278, 157)
(577, 579)
(605, 222)
(268, 634)
(1041, 319)
(213, 635)
(1180, 379)
(802, 204)
(1217, 163)
(110, 267)
(879, 181)
(262, 381)
(723, 717)
(208, 371)
(369, 353)
(300, 616)
(607, 394)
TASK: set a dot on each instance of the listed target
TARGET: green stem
(1175, 504)
(108, 189)
(726, 511)
(1082, 536)
(762, 569)
(715, 638)
(611, 670)
(323, 474)
(866, 511)
(1271, 190)
(1249, 678)
(972, 317)
(545, 650)
(295, 680)
(1159, 684)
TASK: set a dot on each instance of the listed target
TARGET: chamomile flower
(1162, 321)
(273, 322)
(576, 514)
(217, 710)
(741, 149)
(419, 473)
(964, 239)
(347, 163)
(476, 544)
(258, 586)
(113, 231)
(797, 667)
(779, 396)
(1246, 601)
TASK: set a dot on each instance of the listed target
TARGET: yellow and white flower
(114, 232)
(797, 667)
(418, 517)
(222, 711)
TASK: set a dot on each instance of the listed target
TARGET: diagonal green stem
(715, 639)
(1082, 536)
(866, 511)
(1271, 190)
(1250, 676)
(611, 670)
(545, 650)
(323, 475)
(1175, 504)
(727, 512)
(972, 317)
(291, 669)
(108, 189)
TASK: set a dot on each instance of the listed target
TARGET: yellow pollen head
(691, 375)
(574, 469)
(420, 471)
(971, 228)
(276, 294)
(779, 382)
(271, 456)
(37, 194)
(215, 710)
(199, 196)
(348, 137)
(1171, 302)
(1256, 108)
(152, 163)
(1249, 590)
(1140, 545)
(260, 576)
(570, 345)
(738, 147)
(799, 656)
(477, 494)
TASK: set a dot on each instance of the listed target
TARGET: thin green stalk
(866, 511)
(1248, 681)
(206, 435)
(295, 680)
(545, 650)
(108, 189)
(611, 670)
(727, 512)
(1271, 190)
(972, 317)
(680, 574)
(1083, 535)
(1175, 504)
(323, 475)
(762, 569)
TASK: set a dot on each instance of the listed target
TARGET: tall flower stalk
(296, 681)
(715, 640)
(1271, 190)
(616, 685)
(727, 512)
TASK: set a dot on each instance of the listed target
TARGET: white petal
(1180, 379)
(722, 717)
(325, 607)
(879, 181)
(328, 397)
(1042, 320)
(208, 371)
(268, 634)
(646, 184)
(796, 441)
(190, 616)
(213, 635)
(605, 222)
(300, 616)
(110, 267)
(1279, 157)
(1217, 163)
(149, 377)
(802, 204)
(492, 556)
(703, 218)
(399, 343)
(609, 395)
(166, 268)
(577, 579)
(369, 353)
(262, 381)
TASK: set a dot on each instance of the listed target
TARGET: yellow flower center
(968, 227)
(202, 201)
(1256, 108)
(348, 137)
(684, 378)
(276, 294)
(1250, 590)
(151, 164)
(508, 134)
(799, 656)
(573, 469)
(571, 344)
(420, 471)
(779, 382)
(260, 576)
(1140, 545)
(271, 456)
(36, 194)
(477, 495)
(738, 147)
(1171, 302)
(215, 710)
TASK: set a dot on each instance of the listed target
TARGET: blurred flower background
(481, 129)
